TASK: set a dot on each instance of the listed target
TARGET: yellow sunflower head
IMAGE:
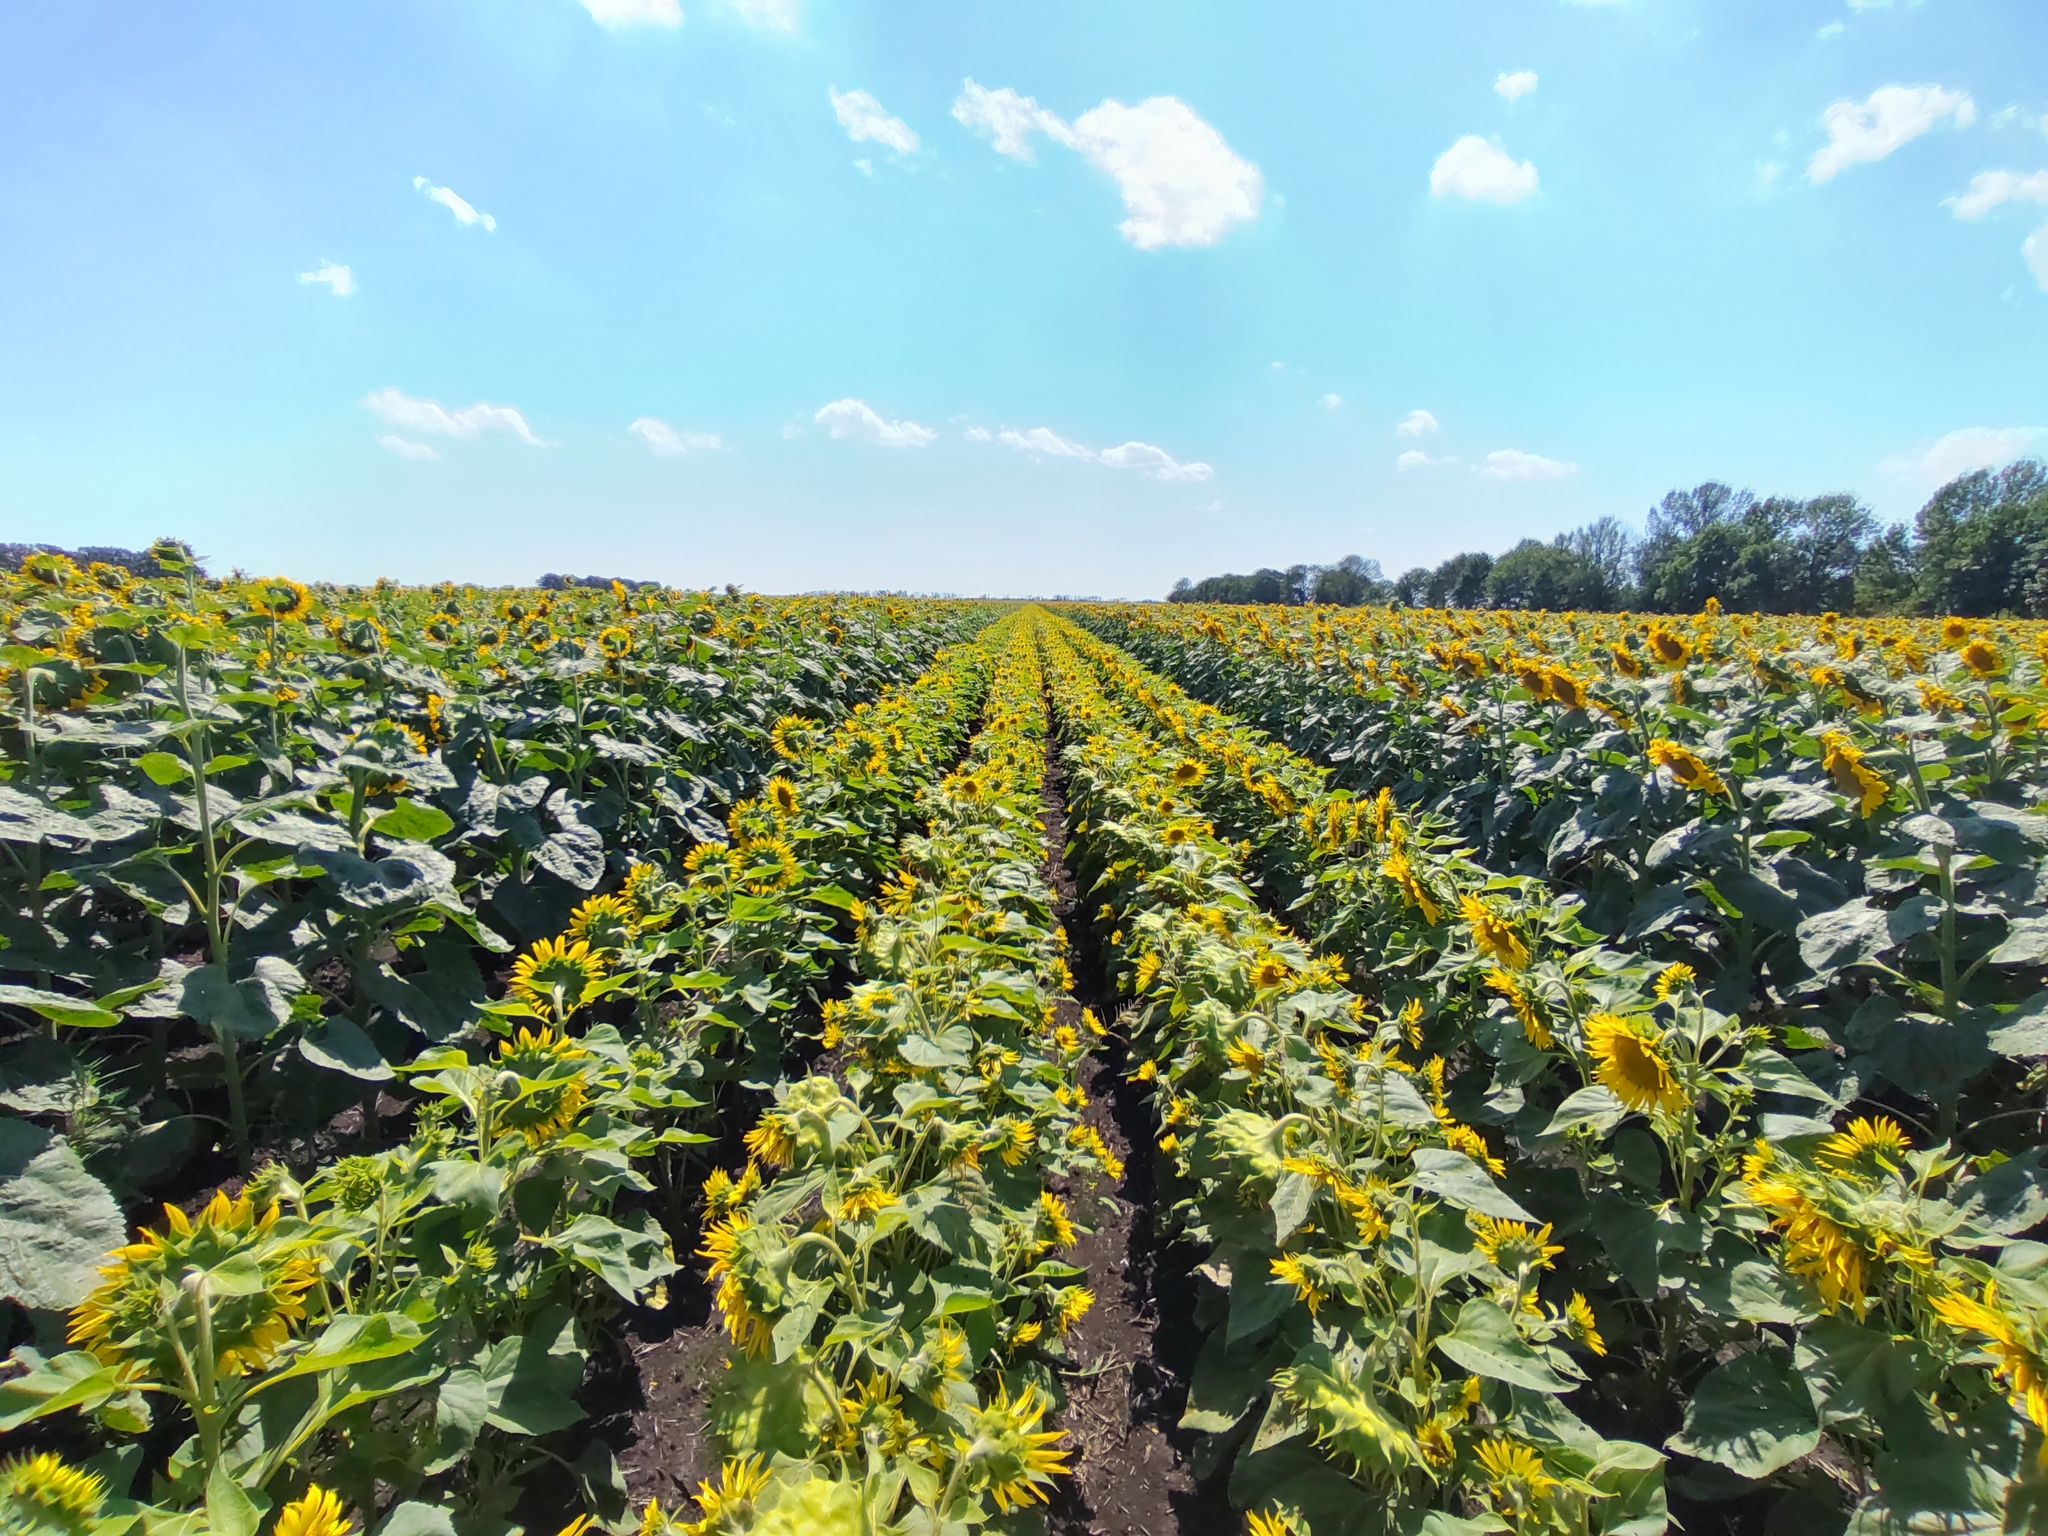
(605, 922)
(548, 1089)
(556, 975)
(41, 1495)
(318, 1513)
(1630, 1061)
(280, 597)
(1007, 1454)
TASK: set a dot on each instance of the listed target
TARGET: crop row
(1677, 1216)
(406, 1330)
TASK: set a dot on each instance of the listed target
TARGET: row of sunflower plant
(260, 843)
(1755, 1280)
(888, 1259)
(1834, 820)
(407, 1330)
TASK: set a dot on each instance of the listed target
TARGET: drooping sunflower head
(556, 974)
(1686, 766)
(1673, 978)
(548, 1087)
(1629, 1059)
(1008, 1454)
(1583, 1326)
(1071, 1305)
(1059, 1226)
(605, 922)
(147, 1305)
(41, 1495)
(1492, 934)
(1269, 1522)
(1516, 1477)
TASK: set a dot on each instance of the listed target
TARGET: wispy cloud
(336, 277)
(1480, 171)
(1860, 132)
(1156, 463)
(863, 119)
(391, 442)
(1994, 189)
(858, 420)
(669, 443)
(408, 413)
(1515, 86)
(1415, 458)
(1333, 402)
(455, 204)
(1182, 184)
(769, 15)
(1513, 464)
(1415, 424)
(1959, 452)
(635, 13)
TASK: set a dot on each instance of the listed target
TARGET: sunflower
(1289, 1269)
(1493, 935)
(1511, 1247)
(1844, 764)
(728, 1506)
(1686, 766)
(1070, 1305)
(605, 922)
(1578, 1314)
(551, 1092)
(1515, 1474)
(1817, 1246)
(1870, 1146)
(145, 1310)
(1007, 1451)
(317, 1513)
(1631, 1064)
(279, 597)
(1054, 1209)
(1269, 1523)
(556, 974)
(782, 796)
(862, 1200)
(1954, 631)
(1982, 658)
(1671, 979)
(1524, 1008)
(771, 1142)
(1270, 971)
(41, 1494)
(1667, 647)
(1398, 869)
(616, 641)
(2017, 1348)
(1187, 773)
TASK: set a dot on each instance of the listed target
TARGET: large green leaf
(1485, 1343)
(1462, 1182)
(1752, 1415)
(57, 1222)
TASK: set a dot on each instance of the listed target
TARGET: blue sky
(766, 291)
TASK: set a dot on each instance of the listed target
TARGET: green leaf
(761, 1405)
(415, 1519)
(339, 1045)
(533, 1381)
(1485, 1343)
(165, 769)
(57, 1222)
(1752, 1415)
(411, 822)
(1463, 1183)
(230, 1509)
(251, 1009)
(74, 1379)
(78, 1012)
(353, 1338)
(627, 1260)
(226, 762)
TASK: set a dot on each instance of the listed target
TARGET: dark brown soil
(1132, 1353)
(654, 1412)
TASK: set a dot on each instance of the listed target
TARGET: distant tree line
(552, 582)
(1978, 548)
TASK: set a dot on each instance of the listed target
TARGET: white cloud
(1516, 85)
(1892, 115)
(1043, 440)
(1831, 31)
(1990, 189)
(459, 206)
(1332, 402)
(392, 442)
(1007, 120)
(667, 442)
(1181, 183)
(863, 118)
(2035, 249)
(1512, 464)
(865, 167)
(1415, 423)
(1415, 458)
(1481, 170)
(857, 419)
(1156, 462)
(1960, 452)
(395, 408)
(339, 278)
(635, 13)
(769, 15)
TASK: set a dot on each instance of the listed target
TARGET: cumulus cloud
(1863, 131)
(857, 419)
(457, 205)
(1415, 458)
(1156, 463)
(1007, 120)
(863, 118)
(1993, 189)
(1512, 464)
(395, 408)
(1415, 423)
(1960, 452)
(339, 278)
(1516, 85)
(391, 442)
(1333, 402)
(1482, 171)
(635, 13)
(667, 442)
(1182, 184)
(769, 15)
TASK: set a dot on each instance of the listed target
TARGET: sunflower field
(1594, 1064)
